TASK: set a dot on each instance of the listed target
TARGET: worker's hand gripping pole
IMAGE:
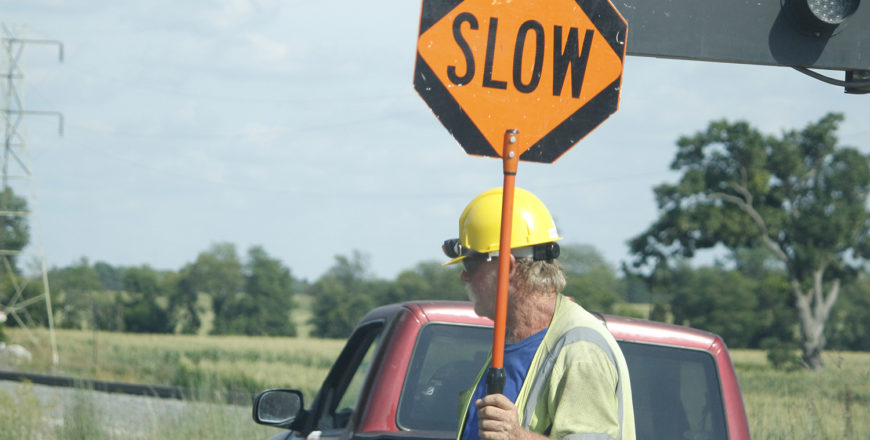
(495, 379)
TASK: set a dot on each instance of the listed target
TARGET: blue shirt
(517, 360)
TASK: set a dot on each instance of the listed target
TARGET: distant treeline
(745, 299)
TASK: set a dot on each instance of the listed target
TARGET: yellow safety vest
(577, 387)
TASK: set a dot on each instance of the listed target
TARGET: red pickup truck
(400, 374)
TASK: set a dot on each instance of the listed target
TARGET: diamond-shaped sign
(551, 69)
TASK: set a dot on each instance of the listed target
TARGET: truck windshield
(675, 391)
(446, 360)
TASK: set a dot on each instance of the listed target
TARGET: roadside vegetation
(832, 403)
(222, 363)
(26, 416)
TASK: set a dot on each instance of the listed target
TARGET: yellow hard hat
(533, 231)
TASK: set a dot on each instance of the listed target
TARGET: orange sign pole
(495, 379)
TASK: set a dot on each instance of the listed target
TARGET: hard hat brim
(455, 260)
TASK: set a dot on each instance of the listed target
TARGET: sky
(295, 126)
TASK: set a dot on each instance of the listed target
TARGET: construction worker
(565, 375)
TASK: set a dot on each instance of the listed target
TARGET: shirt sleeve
(583, 401)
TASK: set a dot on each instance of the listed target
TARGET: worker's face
(481, 284)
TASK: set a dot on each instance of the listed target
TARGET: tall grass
(234, 363)
(83, 416)
(19, 414)
(830, 404)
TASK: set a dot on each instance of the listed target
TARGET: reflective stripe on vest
(588, 437)
(576, 334)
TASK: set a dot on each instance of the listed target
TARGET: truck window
(345, 381)
(351, 394)
(676, 393)
(446, 360)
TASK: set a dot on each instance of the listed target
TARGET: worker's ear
(513, 266)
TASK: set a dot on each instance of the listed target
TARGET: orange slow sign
(548, 68)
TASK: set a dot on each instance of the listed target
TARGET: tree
(716, 300)
(185, 316)
(83, 303)
(343, 295)
(775, 309)
(850, 319)
(744, 308)
(265, 305)
(142, 313)
(801, 196)
(109, 276)
(217, 273)
(426, 281)
(14, 229)
(591, 280)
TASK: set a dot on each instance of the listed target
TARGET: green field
(831, 404)
(234, 363)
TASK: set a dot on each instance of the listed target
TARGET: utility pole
(16, 213)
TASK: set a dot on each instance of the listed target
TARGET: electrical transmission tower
(17, 214)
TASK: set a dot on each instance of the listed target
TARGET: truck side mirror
(278, 407)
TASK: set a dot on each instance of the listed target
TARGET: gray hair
(543, 276)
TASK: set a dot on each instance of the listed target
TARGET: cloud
(232, 13)
(267, 50)
(261, 137)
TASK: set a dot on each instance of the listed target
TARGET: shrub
(781, 355)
